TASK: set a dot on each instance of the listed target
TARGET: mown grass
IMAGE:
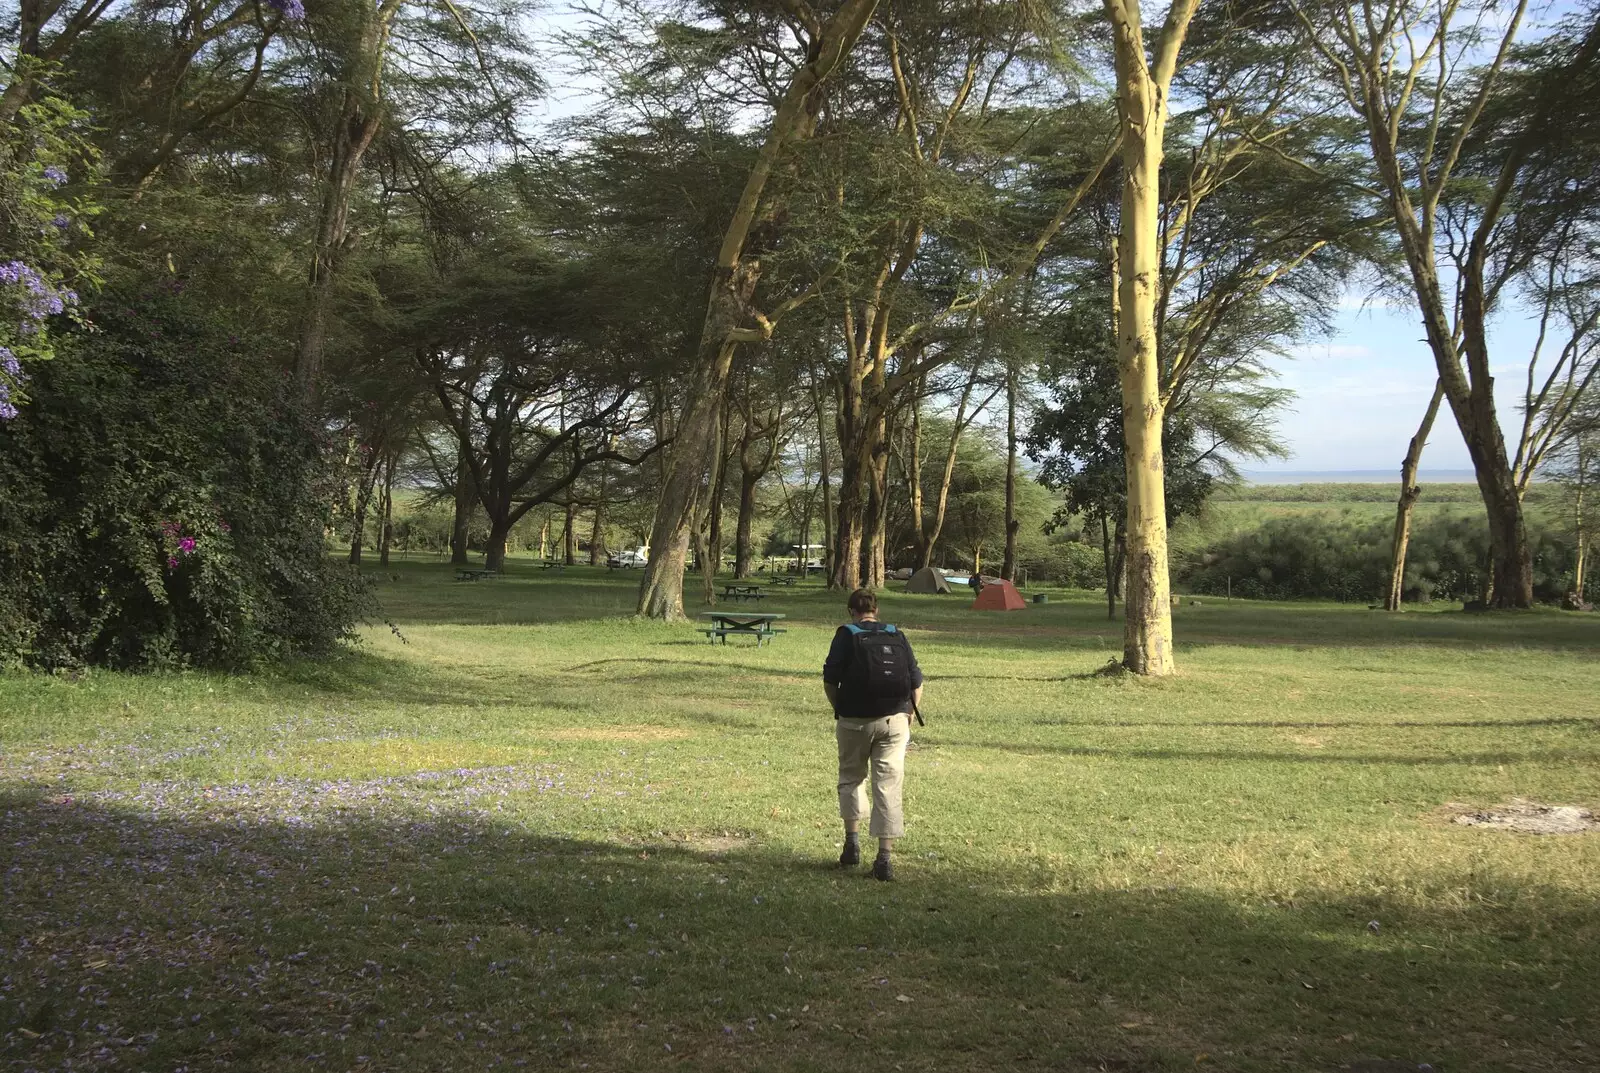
(535, 832)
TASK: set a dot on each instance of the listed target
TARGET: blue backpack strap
(853, 628)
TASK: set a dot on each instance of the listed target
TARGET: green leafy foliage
(46, 169)
(1334, 558)
(166, 502)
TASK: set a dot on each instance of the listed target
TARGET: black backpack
(881, 663)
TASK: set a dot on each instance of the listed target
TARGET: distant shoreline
(1356, 476)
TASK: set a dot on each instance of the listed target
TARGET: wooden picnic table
(553, 564)
(742, 592)
(755, 624)
(476, 575)
(785, 580)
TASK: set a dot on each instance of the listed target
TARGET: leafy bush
(164, 502)
(1068, 563)
(1333, 558)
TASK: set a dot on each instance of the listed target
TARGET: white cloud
(1329, 351)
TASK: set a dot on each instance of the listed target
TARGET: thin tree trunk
(727, 313)
(1008, 568)
(911, 471)
(877, 527)
(1583, 545)
(544, 538)
(1409, 491)
(824, 479)
(1582, 555)
(1582, 533)
(745, 525)
(1142, 90)
(597, 534)
(719, 487)
(466, 499)
(941, 503)
(569, 535)
(386, 534)
(1109, 565)
(358, 530)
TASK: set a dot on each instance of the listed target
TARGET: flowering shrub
(43, 228)
(165, 501)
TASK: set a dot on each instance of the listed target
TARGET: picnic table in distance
(553, 564)
(737, 591)
(755, 624)
(476, 575)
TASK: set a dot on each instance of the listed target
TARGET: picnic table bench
(786, 580)
(476, 575)
(724, 624)
(742, 592)
(553, 564)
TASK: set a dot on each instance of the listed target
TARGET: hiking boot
(851, 855)
(882, 869)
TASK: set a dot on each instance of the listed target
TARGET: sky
(1361, 391)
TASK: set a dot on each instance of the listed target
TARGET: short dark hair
(864, 602)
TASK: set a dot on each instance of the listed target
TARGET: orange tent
(999, 596)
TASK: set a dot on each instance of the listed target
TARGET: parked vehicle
(628, 558)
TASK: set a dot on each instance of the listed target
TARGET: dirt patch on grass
(712, 844)
(1529, 817)
(613, 733)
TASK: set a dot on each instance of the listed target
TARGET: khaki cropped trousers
(875, 748)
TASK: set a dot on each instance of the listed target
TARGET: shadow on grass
(1347, 724)
(403, 924)
(1267, 756)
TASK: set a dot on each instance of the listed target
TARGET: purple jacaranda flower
(186, 545)
(9, 364)
(7, 411)
(61, 221)
(172, 560)
(39, 298)
(55, 174)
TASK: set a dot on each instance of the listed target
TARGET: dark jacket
(853, 702)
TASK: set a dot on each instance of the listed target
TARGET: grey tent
(927, 580)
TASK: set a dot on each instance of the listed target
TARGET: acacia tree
(911, 177)
(1410, 491)
(731, 318)
(761, 441)
(1144, 80)
(1539, 197)
(429, 67)
(533, 382)
(1575, 467)
(1404, 69)
(927, 521)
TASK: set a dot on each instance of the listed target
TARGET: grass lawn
(536, 833)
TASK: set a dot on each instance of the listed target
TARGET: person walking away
(873, 682)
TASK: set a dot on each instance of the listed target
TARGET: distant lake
(1355, 476)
